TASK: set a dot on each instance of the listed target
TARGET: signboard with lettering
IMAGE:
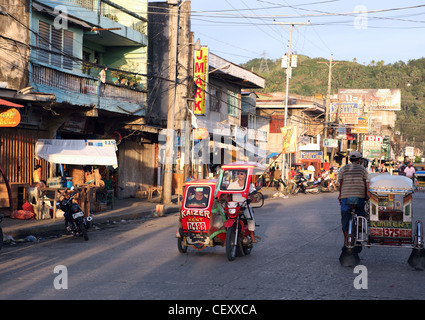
(345, 112)
(9, 117)
(362, 125)
(373, 99)
(372, 146)
(312, 155)
(201, 79)
(330, 143)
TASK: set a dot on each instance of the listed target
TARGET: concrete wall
(14, 64)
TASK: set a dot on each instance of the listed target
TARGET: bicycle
(357, 228)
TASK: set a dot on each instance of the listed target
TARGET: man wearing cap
(352, 178)
(199, 200)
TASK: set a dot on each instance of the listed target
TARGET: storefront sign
(312, 155)
(9, 117)
(201, 79)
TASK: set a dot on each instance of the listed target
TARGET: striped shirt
(353, 178)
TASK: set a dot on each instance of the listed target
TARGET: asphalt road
(297, 258)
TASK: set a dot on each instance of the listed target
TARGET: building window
(215, 99)
(232, 103)
(57, 46)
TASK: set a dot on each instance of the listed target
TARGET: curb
(50, 227)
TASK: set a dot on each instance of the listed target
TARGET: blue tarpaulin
(271, 155)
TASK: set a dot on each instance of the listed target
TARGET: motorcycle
(238, 237)
(1, 231)
(210, 215)
(301, 183)
(75, 221)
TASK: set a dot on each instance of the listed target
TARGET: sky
(374, 30)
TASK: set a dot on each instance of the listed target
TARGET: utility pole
(174, 10)
(328, 103)
(288, 76)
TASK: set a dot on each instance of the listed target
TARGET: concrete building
(79, 70)
(305, 113)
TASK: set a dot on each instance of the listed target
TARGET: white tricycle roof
(386, 183)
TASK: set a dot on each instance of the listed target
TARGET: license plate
(78, 214)
(196, 226)
(391, 232)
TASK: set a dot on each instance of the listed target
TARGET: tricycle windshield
(234, 180)
(197, 197)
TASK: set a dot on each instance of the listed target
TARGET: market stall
(76, 156)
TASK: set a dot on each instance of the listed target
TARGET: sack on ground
(22, 214)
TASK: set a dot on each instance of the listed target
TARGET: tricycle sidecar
(201, 218)
(389, 220)
(211, 208)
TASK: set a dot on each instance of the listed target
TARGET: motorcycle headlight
(232, 210)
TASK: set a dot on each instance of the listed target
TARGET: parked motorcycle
(301, 184)
(1, 231)
(238, 237)
(75, 221)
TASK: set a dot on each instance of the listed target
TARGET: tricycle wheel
(247, 249)
(231, 244)
(181, 246)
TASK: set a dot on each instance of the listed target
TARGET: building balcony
(88, 91)
(118, 25)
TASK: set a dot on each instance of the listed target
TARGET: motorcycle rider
(352, 178)
(239, 185)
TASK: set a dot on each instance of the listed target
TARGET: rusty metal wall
(17, 157)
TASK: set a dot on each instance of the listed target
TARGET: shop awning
(79, 152)
(6, 103)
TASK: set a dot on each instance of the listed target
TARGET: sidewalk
(124, 209)
(130, 208)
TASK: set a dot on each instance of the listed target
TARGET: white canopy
(80, 152)
(389, 183)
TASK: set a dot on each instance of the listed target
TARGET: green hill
(311, 77)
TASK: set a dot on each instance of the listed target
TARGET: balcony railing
(116, 13)
(83, 85)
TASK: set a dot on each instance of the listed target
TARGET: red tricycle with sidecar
(218, 211)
